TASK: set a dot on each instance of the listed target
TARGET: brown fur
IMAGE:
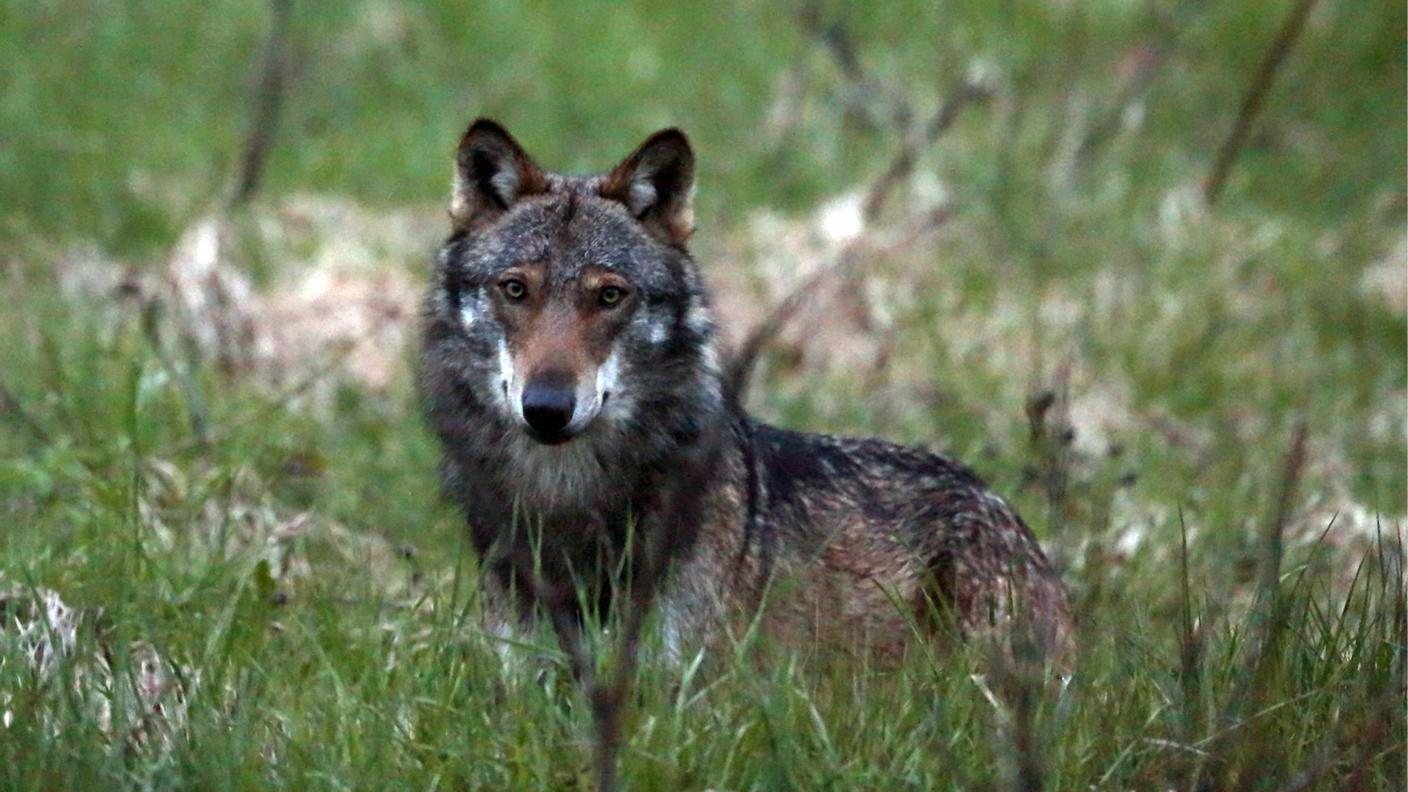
(667, 489)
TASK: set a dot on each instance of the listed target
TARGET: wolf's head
(566, 310)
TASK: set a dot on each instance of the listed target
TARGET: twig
(1272, 608)
(848, 261)
(195, 404)
(1210, 741)
(1150, 61)
(1273, 537)
(1049, 421)
(841, 46)
(1254, 98)
(965, 93)
(851, 257)
(865, 91)
(838, 42)
(265, 105)
(1190, 645)
(11, 406)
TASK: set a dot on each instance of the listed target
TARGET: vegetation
(1200, 409)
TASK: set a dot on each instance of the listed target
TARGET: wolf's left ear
(491, 172)
(656, 183)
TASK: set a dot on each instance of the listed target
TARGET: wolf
(571, 370)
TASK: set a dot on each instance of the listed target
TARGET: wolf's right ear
(491, 172)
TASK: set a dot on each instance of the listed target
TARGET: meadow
(224, 561)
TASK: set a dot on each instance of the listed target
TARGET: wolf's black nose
(548, 408)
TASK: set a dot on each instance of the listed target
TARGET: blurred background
(1050, 233)
(1112, 253)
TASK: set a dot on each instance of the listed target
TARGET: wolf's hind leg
(988, 579)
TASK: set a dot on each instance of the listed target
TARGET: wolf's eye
(611, 295)
(514, 289)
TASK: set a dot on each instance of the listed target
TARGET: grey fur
(830, 533)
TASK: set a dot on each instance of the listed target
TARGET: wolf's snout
(548, 409)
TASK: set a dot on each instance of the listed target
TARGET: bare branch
(1273, 537)
(1149, 61)
(1273, 608)
(854, 255)
(198, 412)
(266, 105)
(1051, 433)
(965, 93)
(865, 93)
(847, 262)
(1255, 97)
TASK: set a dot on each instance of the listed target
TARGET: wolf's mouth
(550, 438)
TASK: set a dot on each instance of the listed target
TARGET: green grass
(345, 655)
